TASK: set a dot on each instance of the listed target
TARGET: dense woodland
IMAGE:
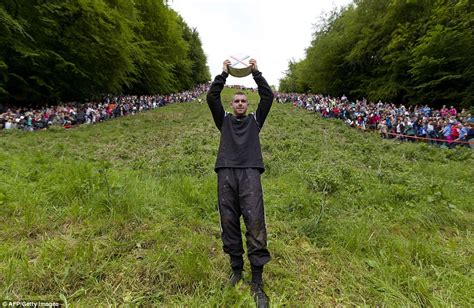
(63, 50)
(410, 51)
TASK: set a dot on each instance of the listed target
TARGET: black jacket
(240, 143)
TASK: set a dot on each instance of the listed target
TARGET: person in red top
(444, 111)
(372, 121)
(110, 108)
(454, 134)
(325, 112)
(377, 118)
(452, 111)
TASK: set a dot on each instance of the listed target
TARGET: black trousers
(240, 194)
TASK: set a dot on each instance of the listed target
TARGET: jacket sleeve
(266, 98)
(214, 99)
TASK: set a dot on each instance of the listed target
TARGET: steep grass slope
(125, 212)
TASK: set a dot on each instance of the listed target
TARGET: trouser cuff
(237, 263)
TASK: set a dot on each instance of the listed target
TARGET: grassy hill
(125, 212)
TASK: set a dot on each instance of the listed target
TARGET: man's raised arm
(214, 96)
(265, 93)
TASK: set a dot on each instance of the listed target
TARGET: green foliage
(442, 63)
(199, 70)
(77, 49)
(404, 51)
(164, 48)
(124, 212)
(293, 81)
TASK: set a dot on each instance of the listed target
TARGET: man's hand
(253, 64)
(225, 66)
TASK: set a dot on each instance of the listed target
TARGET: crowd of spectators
(447, 127)
(75, 113)
(241, 87)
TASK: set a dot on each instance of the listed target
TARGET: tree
(67, 50)
(415, 51)
(442, 62)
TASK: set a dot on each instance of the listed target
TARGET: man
(239, 165)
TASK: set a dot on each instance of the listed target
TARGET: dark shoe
(235, 278)
(261, 299)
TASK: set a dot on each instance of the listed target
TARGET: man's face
(239, 104)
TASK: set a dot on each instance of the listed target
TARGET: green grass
(124, 212)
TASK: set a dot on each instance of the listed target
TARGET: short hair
(238, 93)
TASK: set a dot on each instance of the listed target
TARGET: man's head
(239, 104)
